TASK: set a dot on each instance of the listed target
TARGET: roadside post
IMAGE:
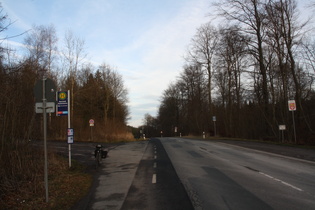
(44, 92)
(63, 108)
(292, 108)
(214, 119)
(282, 128)
(91, 122)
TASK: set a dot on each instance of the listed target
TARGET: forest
(239, 75)
(97, 93)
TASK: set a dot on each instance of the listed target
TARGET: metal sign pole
(214, 119)
(91, 133)
(45, 140)
(69, 126)
(292, 108)
(294, 127)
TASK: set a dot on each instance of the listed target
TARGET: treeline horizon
(96, 92)
(238, 76)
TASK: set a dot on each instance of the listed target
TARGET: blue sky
(145, 40)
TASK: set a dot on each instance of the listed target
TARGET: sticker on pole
(70, 135)
(292, 105)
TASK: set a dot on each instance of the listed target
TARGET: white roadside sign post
(282, 128)
(292, 108)
(63, 108)
(91, 122)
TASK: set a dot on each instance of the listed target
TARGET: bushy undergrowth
(22, 179)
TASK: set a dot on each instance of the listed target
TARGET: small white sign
(70, 135)
(50, 107)
(282, 127)
(70, 132)
(70, 139)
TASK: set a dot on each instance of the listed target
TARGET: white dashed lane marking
(154, 179)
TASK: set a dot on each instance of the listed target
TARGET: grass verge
(66, 187)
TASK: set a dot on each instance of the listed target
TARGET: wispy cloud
(155, 58)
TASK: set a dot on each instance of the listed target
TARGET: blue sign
(62, 103)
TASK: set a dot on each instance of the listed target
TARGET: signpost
(63, 108)
(282, 128)
(292, 108)
(214, 119)
(44, 92)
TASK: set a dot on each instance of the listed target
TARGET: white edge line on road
(154, 179)
(154, 165)
(278, 180)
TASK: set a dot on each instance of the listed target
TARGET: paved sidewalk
(112, 180)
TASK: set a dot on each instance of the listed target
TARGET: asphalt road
(177, 173)
(156, 184)
(218, 175)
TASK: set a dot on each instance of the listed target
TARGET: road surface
(217, 175)
(178, 173)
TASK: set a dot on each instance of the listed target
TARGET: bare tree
(115, 92)
(309, 54)
(286, 33)
(74, 55)
(201, 52)
(251, 17)
(230, 63)
(41, 43)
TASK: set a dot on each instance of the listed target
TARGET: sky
(144, 40)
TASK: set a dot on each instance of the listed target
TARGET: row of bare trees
(244, 73)
(96, 92)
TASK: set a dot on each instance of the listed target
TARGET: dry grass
(22, 183)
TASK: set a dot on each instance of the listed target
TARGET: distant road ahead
(217, 175)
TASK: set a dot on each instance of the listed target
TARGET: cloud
(160, 56)
(145, 40)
